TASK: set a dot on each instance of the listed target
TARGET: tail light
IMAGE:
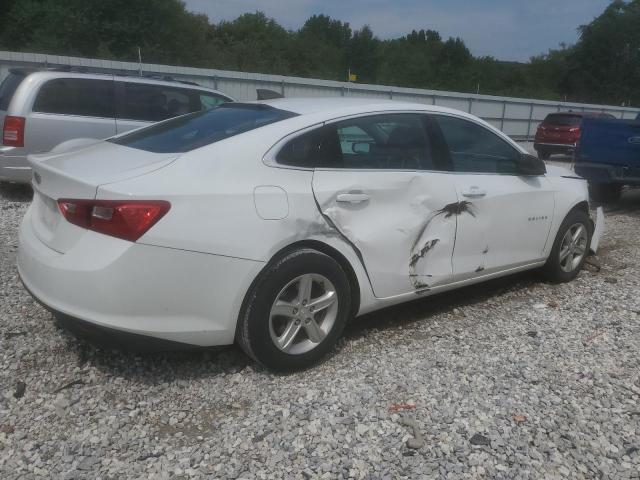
(575, 131)
(127, 219)
(13, 131)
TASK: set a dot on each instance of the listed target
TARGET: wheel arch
(583, 206)
(313, 245)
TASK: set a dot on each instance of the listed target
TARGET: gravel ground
(512, 379)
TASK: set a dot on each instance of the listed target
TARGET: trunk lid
(560, 128)
(78, 175)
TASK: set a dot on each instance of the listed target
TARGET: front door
(378, 185)
(505, 218)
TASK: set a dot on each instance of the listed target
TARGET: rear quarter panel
(213, 206)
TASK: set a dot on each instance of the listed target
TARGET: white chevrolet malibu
(272, 224)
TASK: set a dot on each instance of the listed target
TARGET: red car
(560, 132)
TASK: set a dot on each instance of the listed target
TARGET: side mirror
(531, 165)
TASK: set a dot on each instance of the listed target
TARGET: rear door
(377, 184)
(503, 217)
(68, 108)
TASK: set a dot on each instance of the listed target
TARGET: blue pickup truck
(608, 156)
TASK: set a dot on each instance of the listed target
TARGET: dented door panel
(400, 224)
(506, 225)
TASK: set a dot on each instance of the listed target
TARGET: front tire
(296, 312)
(570, 248)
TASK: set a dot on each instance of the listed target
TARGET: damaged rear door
(378, 185)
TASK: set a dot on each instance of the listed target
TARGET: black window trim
(434, 130)
(270, 158)
(44, 83)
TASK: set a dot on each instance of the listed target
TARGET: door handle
(474, 192)
(352, 197)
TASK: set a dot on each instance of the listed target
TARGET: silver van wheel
(573, 247)
(303, 313)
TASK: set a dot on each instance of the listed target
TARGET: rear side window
(198, 129)
(475, 149)
(563, 120)
(76, 96)
(8, 87)
(153, 103)
(375, 142)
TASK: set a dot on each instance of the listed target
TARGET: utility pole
(139, 62)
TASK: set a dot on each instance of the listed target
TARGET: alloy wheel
(303, 313)
(573, 247)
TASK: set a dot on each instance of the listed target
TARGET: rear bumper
(111, 338)
(603, 173)
(113, 285)
(14, 168)
(554, 147)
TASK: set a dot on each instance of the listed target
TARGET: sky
(504, 29)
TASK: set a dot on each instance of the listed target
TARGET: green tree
(604, 66)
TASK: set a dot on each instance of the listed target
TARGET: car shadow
(15, 192)
(167, 366)
(152, 367)
(628, 204)
(421, 310)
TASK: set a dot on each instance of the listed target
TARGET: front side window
(210, 100)
(198, 129)
(76, 96)
(390, 142)
(474, 148)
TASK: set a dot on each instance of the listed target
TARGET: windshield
(195, 130)
(563, 120)
(8, 88)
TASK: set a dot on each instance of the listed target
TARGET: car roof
(338, 106)
(41, 76)
(578, 114)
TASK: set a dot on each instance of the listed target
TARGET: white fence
(517, 117)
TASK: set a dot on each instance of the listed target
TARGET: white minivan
(41, 110)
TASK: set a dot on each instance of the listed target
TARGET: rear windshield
(563, 119)
(8, 88)
(195, 130)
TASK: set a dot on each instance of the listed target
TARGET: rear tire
(296, 312)
(570, 248)
(605, 192)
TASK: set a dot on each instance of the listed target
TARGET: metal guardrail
(517, 117)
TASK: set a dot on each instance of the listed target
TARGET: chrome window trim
(269, 158)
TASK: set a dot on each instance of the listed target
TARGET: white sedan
(271, 224)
